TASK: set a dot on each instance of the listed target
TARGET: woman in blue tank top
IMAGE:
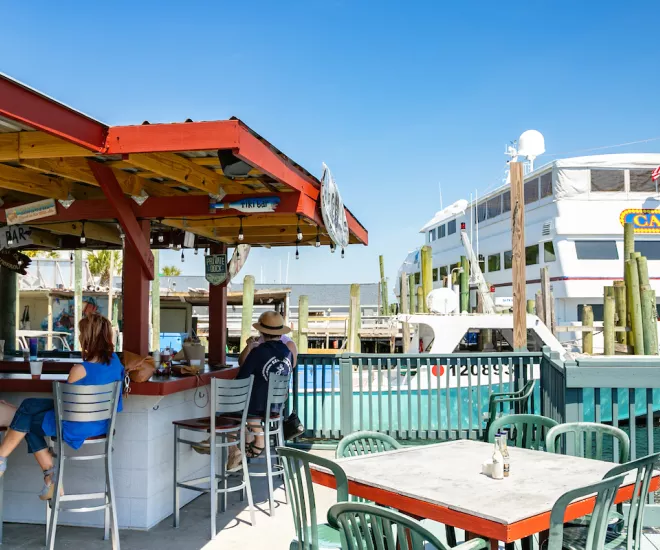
(35, 418)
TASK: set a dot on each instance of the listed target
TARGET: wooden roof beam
(96, 231)
(26, 181)
(30, 145)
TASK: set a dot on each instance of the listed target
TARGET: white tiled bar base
(143, 464)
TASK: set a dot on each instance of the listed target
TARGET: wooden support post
(539, 305)
(384, 302)
(587, 337)
(49, 323)
(135, 297)
(411, 293)
(9, 297)
(465, 285)
(218, 315)
(353, 332)
(420, 299)
(547, 300)
(531, 307)
(155, 303)
(649, 320)
(405, 308)
(248, 305)
(628, 251)
(620, 303)
(427, 274)
(303, 323)
(518, 253)
(635, 306)
(77, 297)
(609, 311)
(553, 315)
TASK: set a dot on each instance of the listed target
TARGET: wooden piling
(248, 306)
(545, 293)
(465, 285)
(539, 305)
(518, 252)
(405, 308)
(642, 269)
(303, 323)
(411, 294)
(649, 320)
(385, 308)
(620, 304)
(635, 306)
(77, 297)
(427, 273)
(420, 299)
(609, 310)
(531, 307)
(628, 250)
(588, 336)
(354, 344)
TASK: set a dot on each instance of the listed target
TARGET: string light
(240, 230)
(318, 237)
(297, 253)
(196, 251)
(83, 239)
(183, 258)
(10, 239)
(161, 237)
(171, 243)
(333, 247)
(342, 253)
(298, 232)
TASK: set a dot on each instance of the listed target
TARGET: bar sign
(216, 268)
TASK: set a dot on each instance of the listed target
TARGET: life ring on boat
(421, 346)
(438, 370)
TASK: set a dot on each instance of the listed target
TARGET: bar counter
(143, 454)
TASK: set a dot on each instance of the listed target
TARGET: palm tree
(46, 254)
(171, 271)
(99, 264)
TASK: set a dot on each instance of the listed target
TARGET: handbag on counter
(139, 369)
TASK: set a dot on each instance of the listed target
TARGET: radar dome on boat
(531, 144)
(442, 300)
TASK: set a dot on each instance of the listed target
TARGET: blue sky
(396, 97)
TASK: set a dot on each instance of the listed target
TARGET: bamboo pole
(634, 299)
(465, 285)
(531, 307)
(420, 299)
(518, 253)
(649, 320)
(303, 323)
(620, 303)
(246, 313)
(427, 273)
(588, 337)
(609, 310)
(411, 294)
(385, 308)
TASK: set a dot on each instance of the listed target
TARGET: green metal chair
(587, 440)
(310, 535)
(596, 530)
(365, 526)
(365, 443)
(497, 399)
(525, 430)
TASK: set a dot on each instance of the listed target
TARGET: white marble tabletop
(449, 475)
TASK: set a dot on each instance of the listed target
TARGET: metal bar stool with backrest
(75, 403)
(229, 397)
(273, 427)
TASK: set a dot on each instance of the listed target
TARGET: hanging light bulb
(206, 252)
(298, 232)
(240, 230)
(196, 251)
(160, 238)
(318, 237)
(297, 253)
(151, 239)
(83, 239)
(171, 243)
(183, 258)
(10, 239)
(333, 247)
(71, 256)
(342, 253)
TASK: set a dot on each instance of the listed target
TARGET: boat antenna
(440, 191)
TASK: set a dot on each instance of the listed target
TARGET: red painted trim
(479, 526)
(29, 107)
(135, 235)
(156, 387)
(561, 279)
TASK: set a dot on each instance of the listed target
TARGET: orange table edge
(482, 527)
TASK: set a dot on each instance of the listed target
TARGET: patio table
(443, 482)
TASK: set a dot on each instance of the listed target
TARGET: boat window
(549, 252)
(508, 259)
(494, 206)
(532, 191)
(546, 185)
(649, 249)
(641, 182)
(441, 231)
(451, 227)
(607, 181)
(443, 271)
(481, 212)
(435, 274)
(417, 278)
(432, 235)
(532, 254)
(482, 263)
(506, 201)
(596, 250)
(493, 262)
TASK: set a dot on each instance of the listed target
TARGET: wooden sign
(32, 211)
(216, 268)
(258, 205)
(15, 236)
(332, 210)
(14, 261)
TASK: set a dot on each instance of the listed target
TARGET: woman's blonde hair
(96, 338)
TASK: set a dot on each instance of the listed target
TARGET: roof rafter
(96, 231)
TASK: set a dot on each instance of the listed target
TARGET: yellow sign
(643, 220)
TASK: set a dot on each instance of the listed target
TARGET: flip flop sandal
(48, 490)
(254, 451)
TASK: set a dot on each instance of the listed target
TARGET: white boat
(574, 209)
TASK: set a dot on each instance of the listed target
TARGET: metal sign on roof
(332, 210)
(216, 268)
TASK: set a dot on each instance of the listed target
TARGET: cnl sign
(644, 221)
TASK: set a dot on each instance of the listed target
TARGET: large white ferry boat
(574, 213)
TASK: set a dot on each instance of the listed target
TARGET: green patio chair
(310, 535)
(587, 439)
(365, 443)
(596, 530)
(365, 526)
(497, 399)
(524, 430)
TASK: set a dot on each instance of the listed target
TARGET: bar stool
(2, 486)
(273, 427)
(84, 404)
(229, 397)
